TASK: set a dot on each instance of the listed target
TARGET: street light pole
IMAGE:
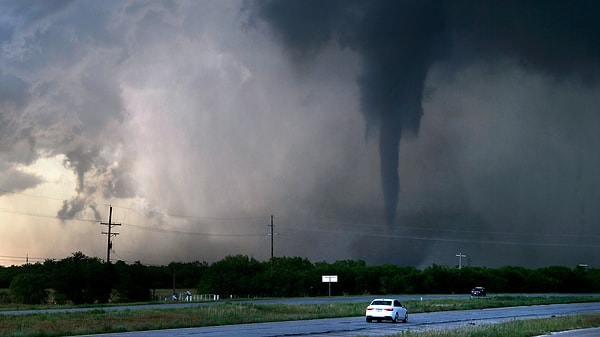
(460, 256)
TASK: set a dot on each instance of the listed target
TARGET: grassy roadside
(105, 321)
(516, 328)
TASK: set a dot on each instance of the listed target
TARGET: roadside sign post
(329, 279)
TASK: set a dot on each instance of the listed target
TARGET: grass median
(516, 328)
(105, 320)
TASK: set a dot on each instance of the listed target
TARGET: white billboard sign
(330, 278)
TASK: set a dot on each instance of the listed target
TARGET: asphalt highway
(299, 300)
(169, 305)
(355, 326)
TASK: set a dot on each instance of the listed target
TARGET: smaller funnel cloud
(400, 41)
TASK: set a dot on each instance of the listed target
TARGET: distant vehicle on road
(386, 309)
(478, 292)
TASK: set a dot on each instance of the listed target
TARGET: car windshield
(381, 303)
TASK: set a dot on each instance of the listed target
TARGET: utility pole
(109, 234)
(174, 296)
(460, 256)
(272, 234)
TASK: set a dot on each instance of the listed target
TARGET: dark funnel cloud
(393, 77)
(400, 41)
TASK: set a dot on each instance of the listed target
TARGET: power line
(23, 258)
(442, 239)
(366, 229)
(188, 216)
(145, 228)
(346, 230)
(320, 221)
(370, 226)
(31, 195)
(40, 215)
(137, 256)
(173, 231)
(138, 210)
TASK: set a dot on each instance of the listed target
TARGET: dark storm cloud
(558, 37)
(58, 89)
(13, 98)
(12, 92)
(399, 41)
(176, 107)
(16, 181)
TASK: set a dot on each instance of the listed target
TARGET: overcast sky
(393, 132)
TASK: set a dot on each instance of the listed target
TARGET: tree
(514, 279)
(81, 279)
(550, 279)
(351, 276)
(29, 289)
(398, 280)
(187, 274)
(291, 276)
(233, 276)
(5, 277)
(439, 279)
(132, 282)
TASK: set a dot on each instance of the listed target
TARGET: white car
(388, 309)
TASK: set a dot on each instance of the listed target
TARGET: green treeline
(80, 279)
